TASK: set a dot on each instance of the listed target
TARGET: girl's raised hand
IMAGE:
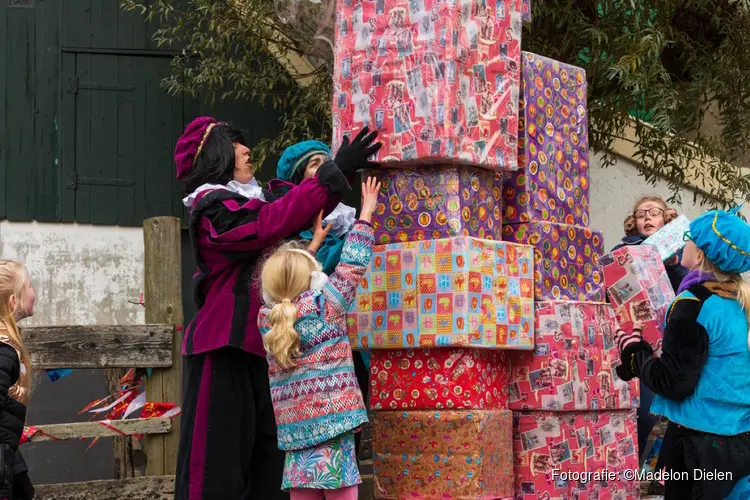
(319, 233)
(370, 190)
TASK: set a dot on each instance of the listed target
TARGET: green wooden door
(117, 135)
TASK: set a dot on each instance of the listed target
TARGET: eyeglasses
(686, 236)
(653, 212)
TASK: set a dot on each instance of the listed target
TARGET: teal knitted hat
(724, 238)
(296, 157)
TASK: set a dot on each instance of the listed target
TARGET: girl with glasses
(650, 213)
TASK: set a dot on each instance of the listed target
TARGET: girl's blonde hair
(743, 287)
(285, 275)
(630, 226)
(12, 283)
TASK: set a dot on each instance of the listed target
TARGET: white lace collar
(251, 190)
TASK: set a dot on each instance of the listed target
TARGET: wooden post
(163, 301)
(122, 446)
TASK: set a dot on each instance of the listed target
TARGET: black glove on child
(354, 156)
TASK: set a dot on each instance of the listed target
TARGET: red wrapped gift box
(547, 444)
(639, 289)
(573, 363)
(434, 379)
(438, 79)
(439, 455)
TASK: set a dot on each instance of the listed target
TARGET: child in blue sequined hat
(702, 379)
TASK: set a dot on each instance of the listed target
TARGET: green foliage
(680, 64)
(240, 51)
(684, 64)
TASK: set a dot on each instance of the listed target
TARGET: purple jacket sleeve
(256, 224)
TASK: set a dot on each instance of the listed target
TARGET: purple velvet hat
(191, 143)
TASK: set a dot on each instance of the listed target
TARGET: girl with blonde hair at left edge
(316, 398)
(17, 298)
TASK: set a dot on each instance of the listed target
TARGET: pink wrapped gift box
(438, 202)
(566, 259)
(639, 289)
(462, 292)
(436, 379)
(438, 79)
(552, 182)
(573, 363)
(440, 455)
(575, 442)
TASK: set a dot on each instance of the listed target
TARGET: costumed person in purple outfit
(228, 436)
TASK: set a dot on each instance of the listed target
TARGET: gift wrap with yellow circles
(438, 202)
(552, 182)
(566, 259)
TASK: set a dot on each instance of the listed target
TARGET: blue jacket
(702, 379)
(720, 401)
(675, 272)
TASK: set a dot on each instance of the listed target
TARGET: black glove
(624, 372)
(352, 157)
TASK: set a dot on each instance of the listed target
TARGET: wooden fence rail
(155, 345)
(85, 430)
(97, 346)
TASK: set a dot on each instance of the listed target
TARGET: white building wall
(82, 274)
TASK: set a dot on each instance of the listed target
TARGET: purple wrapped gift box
(438, 202)
(553, 152)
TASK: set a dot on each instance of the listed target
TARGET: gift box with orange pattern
(442, 454)
(566, 259)
(547, 443)
(573, 363)
(462, 292)
(552, 182)
(453, 378)
(438, 202)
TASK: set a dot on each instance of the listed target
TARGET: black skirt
(721, 461)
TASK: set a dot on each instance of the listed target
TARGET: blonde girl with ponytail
(17, 298)
(317, 401)
(702, 378)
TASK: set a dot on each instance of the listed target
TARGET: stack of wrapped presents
(484, 308)
(572, 415)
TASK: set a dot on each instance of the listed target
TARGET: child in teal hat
(702, 379)
(301, 161)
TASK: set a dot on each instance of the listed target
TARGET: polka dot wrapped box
(575, 443)
(438, 79)
(450, 292)
(438, 202)
(439, 455)
(435, 379)
(566, 260)
(573, 363)
(552, 182)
